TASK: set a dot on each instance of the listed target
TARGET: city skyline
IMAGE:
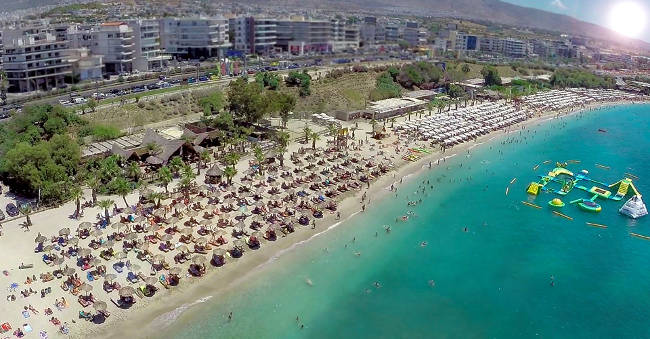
(593, 11)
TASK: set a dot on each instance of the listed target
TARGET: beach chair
(131, 277)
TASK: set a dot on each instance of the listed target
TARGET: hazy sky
(595, 11)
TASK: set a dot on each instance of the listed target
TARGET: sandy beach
(17, 246)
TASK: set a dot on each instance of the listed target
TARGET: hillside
(485, 10)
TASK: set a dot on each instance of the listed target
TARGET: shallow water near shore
(492, 279)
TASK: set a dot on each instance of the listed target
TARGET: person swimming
(423, 244)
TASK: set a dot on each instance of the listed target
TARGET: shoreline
(170, 304)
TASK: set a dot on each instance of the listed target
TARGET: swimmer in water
(377, 284)
(465, 229)
(432, 283)
(423, 244)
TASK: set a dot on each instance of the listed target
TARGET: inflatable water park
(561, 181)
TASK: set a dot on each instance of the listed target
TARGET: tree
(466, 69)
(77, 193)
(26, 210)
(93, 182)
(282, 139)
(204, 159)
(491, 76)
(122, 187)
(176, 164)
(165, 176)
(232, 159)
(134, 171)
(212, 103)
(155, 197)
(307, 132)
(106, 204)
(455, 91)
(152, 148)
(259, 158)
(229, 173)
(281, 103)
(333, 131)
(314, 137)
(246, 101)
(4, 85)
(92, 104)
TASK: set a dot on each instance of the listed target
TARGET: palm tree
(259, 157)
(204, 158)
(333, 131)
(308, 132)
(283, 141)
(26, 210)
(373, 124)
(93, 183)
(430, 106)
(165, 176)
(156, 197)
(176, 164)
(187, 172)
(466, 69)
(314, 137)
(185, 184)
(106, 204)
(441, 105)
(133, 171)
(123, 188)
(232, 159)
(229, 173)
(76, 194)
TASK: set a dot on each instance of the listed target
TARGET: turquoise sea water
(492, 281)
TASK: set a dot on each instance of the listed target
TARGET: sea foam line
(165, 319)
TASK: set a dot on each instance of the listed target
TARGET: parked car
(12, 210)
(203, 78)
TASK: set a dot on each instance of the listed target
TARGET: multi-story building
(466, 42)
(84, 65)
(147, 52)
(34, 60)
(344, 36)
(413, 35)
(392, 32)
(254, 35)
(1, 50)
(114, 40)
(371, 33)
(492, 45)
(304, 36)
(195, 38)
(516, 48)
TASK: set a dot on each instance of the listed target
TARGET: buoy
(529, 204)
(513, 181)
(603, 166)
(640, 236)
(536, 167)
(596, 225)
(547, 161)
(507, 188)
(562, 215)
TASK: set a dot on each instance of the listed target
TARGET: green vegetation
(301, 80)
(386, 87)
(100, 132)
(267, 79)
(212, 103)
(579, 78)
(38, 154)
(420, 74)
(491, 76)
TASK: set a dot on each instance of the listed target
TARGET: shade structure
(131, 236)
(198, 259)
(100, 306)
(40, 239)
(84, 252)
(219, 252)
(120, 255)
(85, 287)
(187, 231)
(143, 246)
(73, 241)
(126, 291)
(166, 237)
(140, 219)
(171, 220)
(202, 241)
(150, 280)
(97, 233)
(158, 258)
(69, 271)
(86, 225)
(110, 277)
(64, 231)
(175, 270)
(192, 213)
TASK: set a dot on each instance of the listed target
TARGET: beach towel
(42, 334)
(25, 314)
(90, 277)
(27, 328)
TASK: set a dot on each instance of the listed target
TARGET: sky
(594, 11)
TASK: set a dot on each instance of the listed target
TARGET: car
(2, 216)
(12, 210)
(137, 90)
(203, 78)
(191, 81)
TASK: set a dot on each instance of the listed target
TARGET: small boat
(602, 130)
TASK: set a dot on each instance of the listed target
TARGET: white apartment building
(195, 38)
(114, 40)
(516, 48)
(84, 65)
(466, 42)
(34, 60)
(147, 52)
(254, 35)
(304, 36)
(344, 36)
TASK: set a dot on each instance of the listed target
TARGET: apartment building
(34, 60)
(466, 42)
(391, 32)
(84, 65)
(254, 35)
(148, 55)
(492, 45)
(195, 38)
(1, 50)
(516, 48)
(372, 33)
(304, 36)
(345, 37)
(114, 40)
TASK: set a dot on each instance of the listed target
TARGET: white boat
(634, 208)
